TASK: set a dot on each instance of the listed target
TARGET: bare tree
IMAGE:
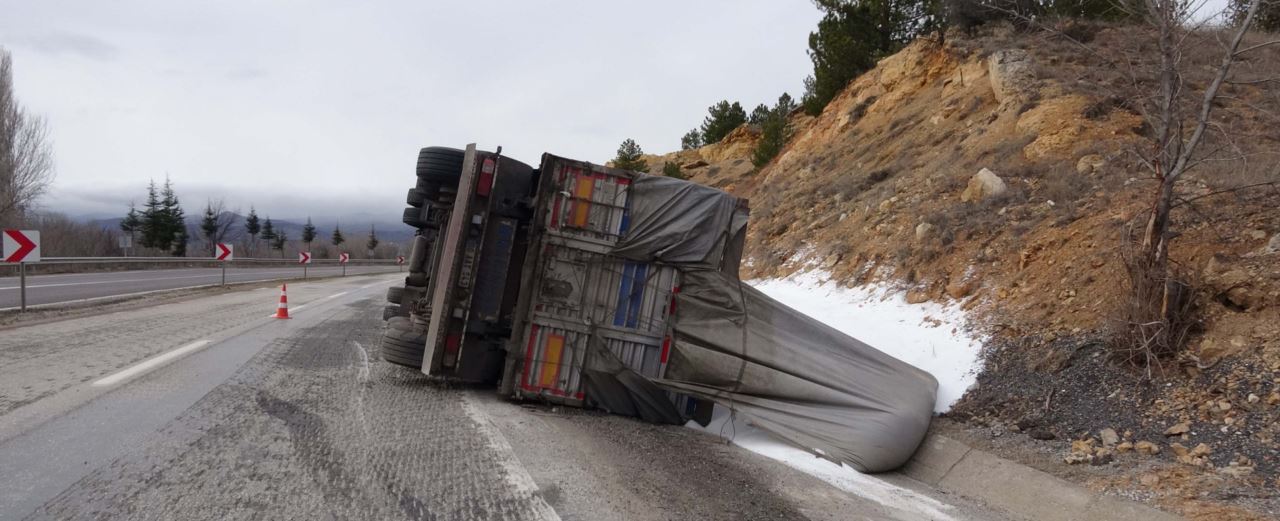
(26, 161)
(216, 224)
(1180, 116)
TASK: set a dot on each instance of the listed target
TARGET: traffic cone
(282, 311)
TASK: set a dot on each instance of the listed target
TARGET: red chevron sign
(343, 258)
(225, 252)
(21, 246)
(399, 259)
(304, 257)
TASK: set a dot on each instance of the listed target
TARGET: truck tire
(403, 346)
(395, 294)
(440, 164)
(390, 312)
(415, 198)
(413, 217)
(416, 279)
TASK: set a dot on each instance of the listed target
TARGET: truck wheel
(440, 164)
(416, 279)
(395, 294)
(415, 198)
(403, 347)
(413, 217)
(390, 312)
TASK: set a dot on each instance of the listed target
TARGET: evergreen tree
(630, 157)
(758, 115)
(132, 222)
(180, 239)
(373, 240)
(672, 169)
(153, 220)
(721, 119)
(252, 227)
(209, 227)
(308, 233)
(691, 140)
(1267, 19)
(174, 220)
(774, 131)
(337, 237)
(268, 232)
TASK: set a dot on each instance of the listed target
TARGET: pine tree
(1267, 19)
(173, 219)
(774, 131)
(268, 232)
(209, 227)
(180, 242)
(853, 35)
(691, 140)
(153, 220)
(337, 237)
(758, 115)
(252, 227)
(672, 169)
(373, 240)
(132, 222)
(308, 233)
(721, 119)
(630, 157)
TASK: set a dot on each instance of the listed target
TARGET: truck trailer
(589, 286)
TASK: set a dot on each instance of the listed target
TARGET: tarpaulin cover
(789, 374)
(796, 377)
(679, 222)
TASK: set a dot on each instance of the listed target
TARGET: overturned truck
(590, 286)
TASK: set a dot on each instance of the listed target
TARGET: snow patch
(930, 336)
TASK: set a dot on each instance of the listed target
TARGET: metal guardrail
(22, 270)
(189, 260)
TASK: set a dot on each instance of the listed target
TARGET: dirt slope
(999, 172)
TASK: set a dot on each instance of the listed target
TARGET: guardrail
(54, 265)
(50, 265)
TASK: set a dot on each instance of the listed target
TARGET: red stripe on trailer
(528, 356)
(671, 310)
(666, 349)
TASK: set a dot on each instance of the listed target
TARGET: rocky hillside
(999, 172)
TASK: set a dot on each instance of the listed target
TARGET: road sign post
(225, 253)
(304, 258)
(21, 247)
(342, 259)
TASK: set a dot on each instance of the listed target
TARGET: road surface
(66, 287)
(208, 409)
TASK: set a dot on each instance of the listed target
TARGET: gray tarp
(796, 377)
(678, 222)
(789, 374)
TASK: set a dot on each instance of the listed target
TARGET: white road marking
(517, 477)
(151, 363)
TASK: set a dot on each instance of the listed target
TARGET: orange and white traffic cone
(282, 310)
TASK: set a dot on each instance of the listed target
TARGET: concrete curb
(1022, 491)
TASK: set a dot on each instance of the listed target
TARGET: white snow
(929, 336)
(740, 433)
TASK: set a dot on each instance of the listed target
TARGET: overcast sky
(319, 107)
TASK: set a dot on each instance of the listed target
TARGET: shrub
(721, 119)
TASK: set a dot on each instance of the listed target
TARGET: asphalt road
(208, 409)
(52, 289)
